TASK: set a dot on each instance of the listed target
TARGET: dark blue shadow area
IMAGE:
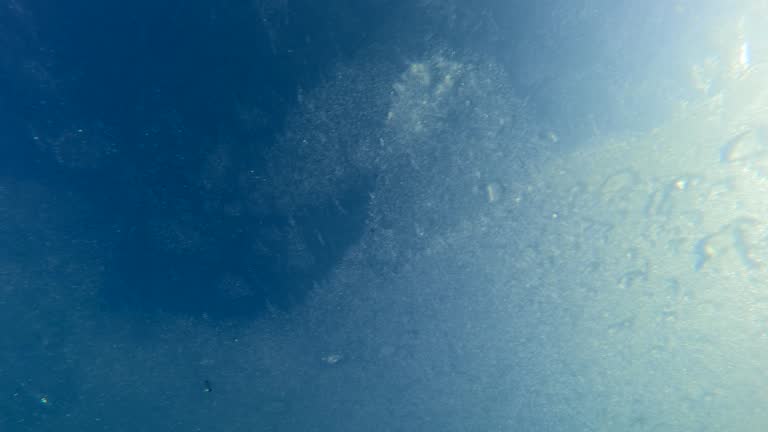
(126, 104)
(226, 276)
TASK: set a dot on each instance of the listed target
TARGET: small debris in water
(332, 359)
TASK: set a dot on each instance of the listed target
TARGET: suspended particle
(332, 359)
(493, 192)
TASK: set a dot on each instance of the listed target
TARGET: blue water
(136, 96)
(300, 215)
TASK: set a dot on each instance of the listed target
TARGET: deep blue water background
(161, 83)
(135, 138)
(122, 104)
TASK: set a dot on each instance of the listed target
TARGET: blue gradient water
(383, 215)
